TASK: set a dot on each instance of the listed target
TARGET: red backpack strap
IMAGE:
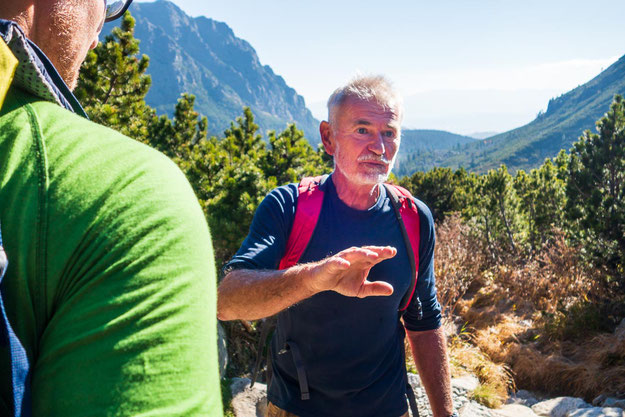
(408, 217)
(309, 202)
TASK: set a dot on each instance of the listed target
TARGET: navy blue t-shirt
(352, 348)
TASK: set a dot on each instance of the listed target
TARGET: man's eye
(362, 130)
(389, 134)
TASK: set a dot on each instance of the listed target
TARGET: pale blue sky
(463, 66)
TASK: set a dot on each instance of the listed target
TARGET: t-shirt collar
(35, 73)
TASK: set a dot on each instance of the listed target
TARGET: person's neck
(23, 16)
(356, 196)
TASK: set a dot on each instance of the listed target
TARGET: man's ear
(326, 137)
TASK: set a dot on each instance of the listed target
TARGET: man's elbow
(224, 312)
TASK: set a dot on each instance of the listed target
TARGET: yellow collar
(8, 65)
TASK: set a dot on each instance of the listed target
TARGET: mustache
(373, 158)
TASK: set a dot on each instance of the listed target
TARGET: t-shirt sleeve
(131, 285)
(264, 246)
(426, 285)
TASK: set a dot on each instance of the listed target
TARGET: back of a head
(373, 88)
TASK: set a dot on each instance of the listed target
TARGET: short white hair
(375, 88)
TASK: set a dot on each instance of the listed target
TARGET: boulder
(514, 410)
(465, 383)
(522, 397)
(246, 401)
(612, 402)
(473, 409)
(597, 412)
(559, 407)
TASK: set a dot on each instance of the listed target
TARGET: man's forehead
(365, 112)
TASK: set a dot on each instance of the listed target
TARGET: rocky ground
(252, 402)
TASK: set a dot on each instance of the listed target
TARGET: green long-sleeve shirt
(111, 282)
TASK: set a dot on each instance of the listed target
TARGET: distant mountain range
(558, 128)
(420, 148)
(203, 57)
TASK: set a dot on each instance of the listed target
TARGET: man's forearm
(429, 349)
(254, 294)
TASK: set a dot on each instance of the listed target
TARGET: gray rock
(514, 410)
(599, 400)
(222, 350)
(466, 383)
(414, 380)
(612, 402)
(473, 409)
(522, 397)
(597, 412)
(558, 407)
(246, 401)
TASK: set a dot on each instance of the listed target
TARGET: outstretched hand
(347, 271)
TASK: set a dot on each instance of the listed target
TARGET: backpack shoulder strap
(20, 367)
(408, 217)
(309, 202)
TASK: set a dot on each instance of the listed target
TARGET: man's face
(65, 30)
(364, 139)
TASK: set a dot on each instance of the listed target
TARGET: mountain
(203, 57)
(420, 148)
(562, 124)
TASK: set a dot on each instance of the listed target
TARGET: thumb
(376, 288)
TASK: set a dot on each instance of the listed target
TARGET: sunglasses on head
(115, 9)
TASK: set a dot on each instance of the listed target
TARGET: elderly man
(338, 349)
(108, 284)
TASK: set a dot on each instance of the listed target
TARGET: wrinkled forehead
(354, 108)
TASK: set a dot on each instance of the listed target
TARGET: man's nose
(376, 145)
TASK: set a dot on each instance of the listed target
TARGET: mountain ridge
(565, 119)
(204, 57)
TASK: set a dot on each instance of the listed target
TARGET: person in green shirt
(110, 285)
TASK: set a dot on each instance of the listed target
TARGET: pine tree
(113, 84)
(596, 193)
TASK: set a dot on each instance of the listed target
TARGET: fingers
(376, 288)
(369, 254)
(384, 252)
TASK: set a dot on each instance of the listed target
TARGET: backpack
(308, 209)
(20, 375)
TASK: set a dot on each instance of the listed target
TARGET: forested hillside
(564, 121)
(420, 148)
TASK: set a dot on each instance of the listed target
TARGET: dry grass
(535, 318)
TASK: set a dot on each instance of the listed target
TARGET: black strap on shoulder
(20, 365)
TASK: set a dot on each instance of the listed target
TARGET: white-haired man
(107, 301)
(338, 346)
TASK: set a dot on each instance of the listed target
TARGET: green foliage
(112, 83)
(577, 322)
(542, 197)
(441, 189)
(596, 193)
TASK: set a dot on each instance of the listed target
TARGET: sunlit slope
(564, 121)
